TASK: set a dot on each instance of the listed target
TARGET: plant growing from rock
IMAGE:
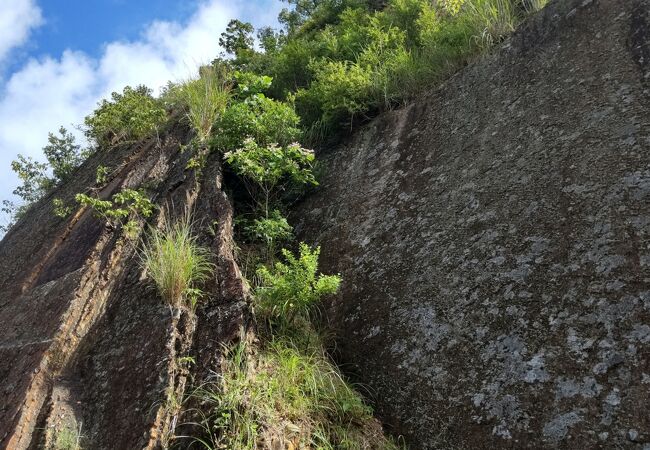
(126, 204)
(206, 98)
(62, 157)
(291, 288)
(253, 115)
(101, 174)
(61, 209)
(176, 263)
(268, 170)
(66, 438)
(270, 231)
(131, 115)
(290, 396)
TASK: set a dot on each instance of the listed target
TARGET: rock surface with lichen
(494, 241)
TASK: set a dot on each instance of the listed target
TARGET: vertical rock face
(86, 341)
(494, 241)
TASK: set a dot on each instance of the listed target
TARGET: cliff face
(85, 339)
(494, 241)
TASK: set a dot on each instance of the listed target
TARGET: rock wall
(494, 241)
(85, 341)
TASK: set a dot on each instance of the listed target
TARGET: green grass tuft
(176, 262)
(206, 98)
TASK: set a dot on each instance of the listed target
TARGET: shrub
(275, 228)
(268, 170)
(176, 262)
(131, 115)
(101, 174)
(61, 209)
(265, 120)
(341, 89)
(249, 84)
(269, 231)
(290, 289)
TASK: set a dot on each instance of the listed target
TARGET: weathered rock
(494, 241)
(85, 339)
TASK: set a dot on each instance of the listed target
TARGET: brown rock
(85, 335)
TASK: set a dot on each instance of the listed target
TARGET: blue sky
(58, 58)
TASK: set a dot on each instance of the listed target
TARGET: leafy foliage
(61, 209)
(176, 262)
(131, 115)
(237, 37)
(101, 174)
(62, 157)
(256, 117)
(126, 204)
(292, 288)
(268, 170)
(34, 176)
(347, 59)
(272, 229)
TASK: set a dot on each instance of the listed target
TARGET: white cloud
(17, 19)
(48, 92)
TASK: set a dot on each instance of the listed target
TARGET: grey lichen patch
(568, 388)
(557, 429)
(641, 333)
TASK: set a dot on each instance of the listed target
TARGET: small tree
(269, 170)
(237, 37)
(63, 154)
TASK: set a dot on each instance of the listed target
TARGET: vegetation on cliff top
(334, 63)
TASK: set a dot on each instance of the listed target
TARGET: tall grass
(176, 262)
(206, 98)
(283, 396)
(491, 20)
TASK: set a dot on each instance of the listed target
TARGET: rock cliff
(493, 238)
(494, 241)
(85, 340)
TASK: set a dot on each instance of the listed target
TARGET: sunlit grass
(176, 262)
(206, 98)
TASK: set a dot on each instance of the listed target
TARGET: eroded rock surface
(494, 241)
(86, 342)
